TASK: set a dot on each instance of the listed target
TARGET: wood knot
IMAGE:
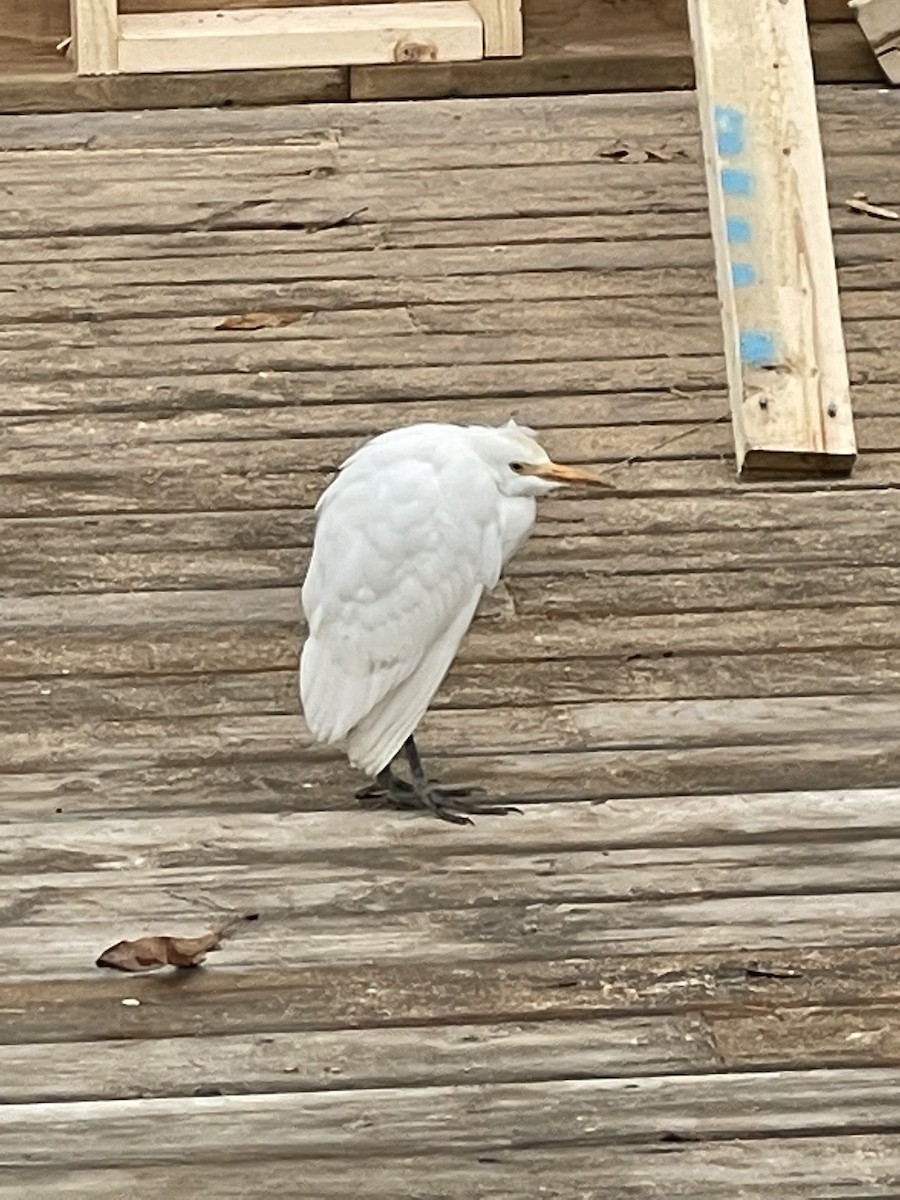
(406, 51)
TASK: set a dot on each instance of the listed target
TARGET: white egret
(417, 524)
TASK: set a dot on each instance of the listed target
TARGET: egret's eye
(517, 467)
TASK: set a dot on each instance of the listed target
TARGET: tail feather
(378, 737)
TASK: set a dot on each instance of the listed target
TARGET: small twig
(676, 437)
(861, 205)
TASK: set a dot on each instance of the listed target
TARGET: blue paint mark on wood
(736, 182)
(758, 348)
(738, 230)
(729, 131)
(743, 274)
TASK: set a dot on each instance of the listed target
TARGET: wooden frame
(784, 345)
(106, 43)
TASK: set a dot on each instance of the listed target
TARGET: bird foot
(450, 804)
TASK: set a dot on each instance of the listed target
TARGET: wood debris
(859, 202)
(152, 952)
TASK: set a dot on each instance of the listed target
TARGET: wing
(406, 541)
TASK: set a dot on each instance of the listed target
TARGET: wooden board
(435, 31)
(95, 36)
(784, 348)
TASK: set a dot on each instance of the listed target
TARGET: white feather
(408, 536)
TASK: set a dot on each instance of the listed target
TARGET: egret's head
(524, 468)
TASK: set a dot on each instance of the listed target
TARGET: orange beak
(562, 474)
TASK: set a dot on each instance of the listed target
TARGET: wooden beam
(433, 31)
(880, 22)
(502, 21)
(784, 344)
(95, 36)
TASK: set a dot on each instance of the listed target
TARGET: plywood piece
(440, 30)
(880, 22)
(784, 346)
(95, 36)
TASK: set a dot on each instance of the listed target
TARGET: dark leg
(446, 802)
(389, 788)
(390, 791)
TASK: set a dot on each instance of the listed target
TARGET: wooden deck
(676, 975)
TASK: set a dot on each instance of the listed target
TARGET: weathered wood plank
(259, 630)
(481, 893)
(345, 1059)
(368, 128)
(755, 926)
(388, 994)
(277, 376)
(553, 138)
(807, 1037)
(457, 1054)
(269, 473)
(165, 842)
(261, 253)
(860, 1167)
(383, 1121)
(266, 547)
(541, 189)
(395, 323)
(239, 781)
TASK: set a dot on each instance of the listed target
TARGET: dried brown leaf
(152, 952)
(262, 320)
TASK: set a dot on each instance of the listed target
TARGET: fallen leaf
(152, 952)
(621, 152)
(262, 320)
